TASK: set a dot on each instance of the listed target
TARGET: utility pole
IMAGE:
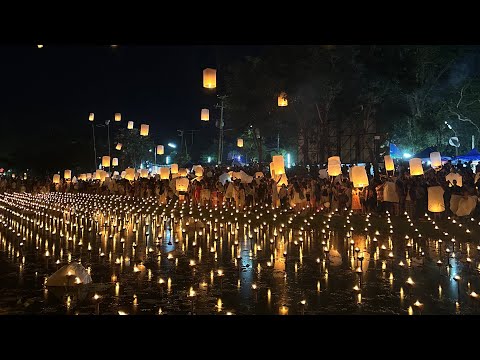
(180, 133)
(221, 126)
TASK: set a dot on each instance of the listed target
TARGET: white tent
(69, 275)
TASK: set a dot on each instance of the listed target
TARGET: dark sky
(47, 94)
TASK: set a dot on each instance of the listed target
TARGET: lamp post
(450, 127)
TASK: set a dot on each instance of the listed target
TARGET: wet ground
(147, 258)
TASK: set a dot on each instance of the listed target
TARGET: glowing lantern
(198, 170)
(174, 168)
(334, 166)
(272, 169)
(144, 130)
(359, 176)
(210, 78)
(416, 167)
(67, 174)
(454, 176)
(89, 176)
(205, 115)
(182, 184)
(103, 175)
(106, 161)
(240, 143)
(83, 177)
(279, 164)
(435, 199)
(258, 175)
(118, 117)
(119, 146)
(436, 160)
(130, 174)
(122, 175)
(164, 173)
(144, 173)
(160, 150)
(98, 175)
(183, 172)
(56, 179)
(389, 165)
(115, 162)
(130, 125)
(91, 117)
(282, 99)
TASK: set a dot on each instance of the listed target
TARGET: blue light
(167, 160)
(239, 157)
(209, 159)
(288, 161)
(407, 155)
(172, 145)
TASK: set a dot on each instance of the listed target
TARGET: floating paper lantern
(160, 150)
(144, 130)
(144, 173)
(122, 175)
(454, 176)
(183, 172)
(282, 99)
(82, 177)
(182, 184)
(115, 162)
(389, 165)
(91, 117)
(416, 168)
(130, 174)
(210, 78)
(103, 175)
(106, 161)
(130, 125)
(174, 168)
(98, 174)
(116, 173)
(89, 176)
(359, 176)
(118, 117)
(205, 115)
(435, 199)
(240, 143)
(164, 173)
(118, 147)
(334, 166)
(436, 160)
(279, 164)
(198, 170)
(67, 174)
(56, 179)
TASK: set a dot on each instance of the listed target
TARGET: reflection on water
(147, 258)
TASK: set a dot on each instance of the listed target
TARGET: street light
(91, 118)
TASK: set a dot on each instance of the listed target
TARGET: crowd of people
(306, 190)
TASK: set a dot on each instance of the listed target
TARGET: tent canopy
(472, 155)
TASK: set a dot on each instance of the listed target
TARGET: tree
(135, 148)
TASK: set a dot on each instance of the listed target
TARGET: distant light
(288, 161)
(39, 46)
(239, 157)
(172, 145)
(114, 46)
(209, 159)
(167, 160)
(407, 155)
(150, 150)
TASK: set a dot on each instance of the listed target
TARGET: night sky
(48, 93)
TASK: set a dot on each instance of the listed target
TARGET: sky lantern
(282, 99)
(91, 117)
(83, 177)
(183, 172)
(435, 160)
(435, 199)
(144, 130)
(119, 146)
(144, 173)
(89, 176)
(118, 117)
(67, 174)
(130, 125)
(198, 169)
(240, 143)
(279, 164)
(205, 115)
(209, 78)
(389, 165)
(182, 184)
(130, 174)
(115, 162)
(174, 168)
(359, 176)
(416, 168)
(160, 150)
(56, 179)
(106, 161)
(164, 173)
(334, 166)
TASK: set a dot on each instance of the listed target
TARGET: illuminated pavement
(219, 261)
